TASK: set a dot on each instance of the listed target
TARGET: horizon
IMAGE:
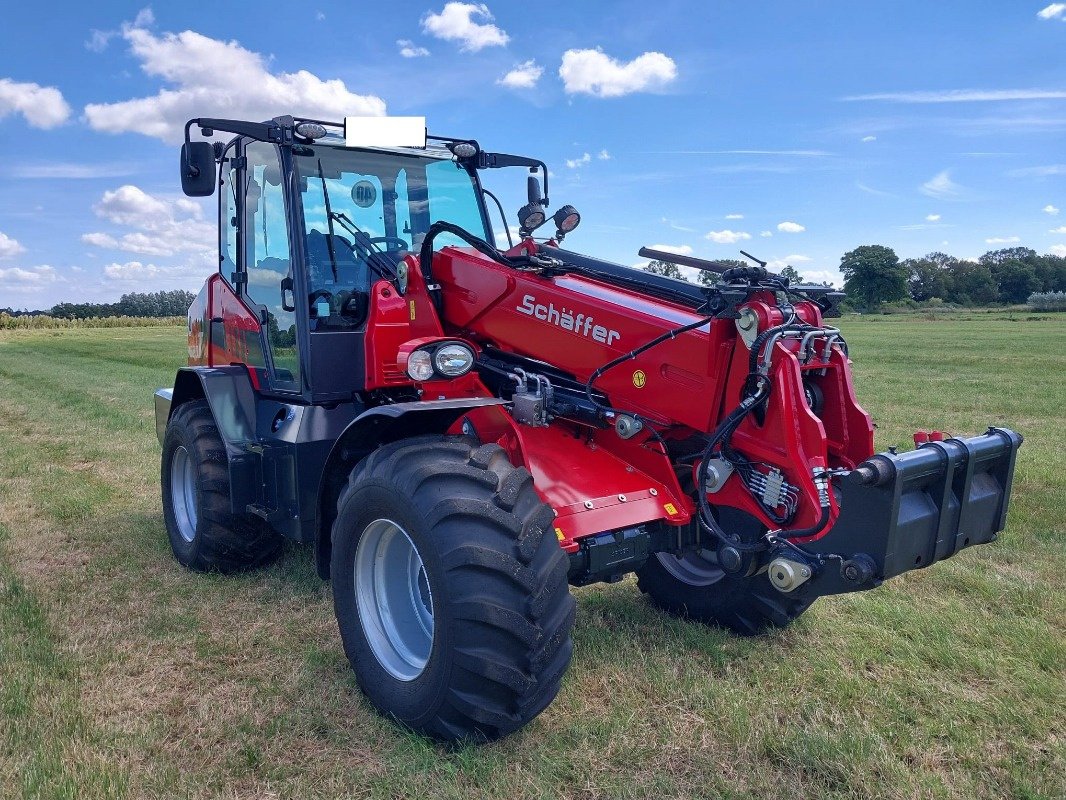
(792, 134)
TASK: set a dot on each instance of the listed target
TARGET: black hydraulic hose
(721, 435)
(425, 254)
(799, 533)
(671, 334)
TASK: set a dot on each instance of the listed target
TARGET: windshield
(363, 211)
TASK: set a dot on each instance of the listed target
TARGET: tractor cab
(308, 224)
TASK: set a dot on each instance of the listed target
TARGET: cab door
(255, 219)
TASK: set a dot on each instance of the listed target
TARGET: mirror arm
(498, 160)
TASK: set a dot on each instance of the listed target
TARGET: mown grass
(122, 675)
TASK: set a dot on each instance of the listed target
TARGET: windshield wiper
(329, 221)
(374, 253)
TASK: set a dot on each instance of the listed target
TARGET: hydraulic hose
(425, 254)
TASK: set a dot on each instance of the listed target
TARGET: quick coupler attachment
(905, 511)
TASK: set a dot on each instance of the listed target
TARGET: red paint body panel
(689, 383)
(242, 342)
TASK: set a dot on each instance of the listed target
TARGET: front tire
(204, 535)
(450, 588)
(693, 586)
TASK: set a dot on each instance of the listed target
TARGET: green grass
(122, 675)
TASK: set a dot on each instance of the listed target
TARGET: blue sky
(796, 131)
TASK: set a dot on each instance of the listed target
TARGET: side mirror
(533, 191)
(198, 169)
(288, 298)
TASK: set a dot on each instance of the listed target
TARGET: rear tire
(450, 588)
(693, 586)
(204, 535)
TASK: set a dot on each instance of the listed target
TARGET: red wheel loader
(463, 432)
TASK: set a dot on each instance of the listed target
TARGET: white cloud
(1050, 209)
(161, 226)
(455, 22)
(574, 163)
(1053, 11)
(137, 272)
(1045, 171)
(673, 224)
(98, 40)
(594, 72)
(320, 16)
(100, 240)
(932, 218)
(144, 19)
(734, 216)
(1058, 250)
(727, 236)
(523, 76)
(869, 138)
(17, 279)
(871, 190)
(793, 260)
(790, 227)
(1060, 229)
(603, 155)
(208, 77)
(941, 186)
(50, 170)
(9, 248)
(42, 106)
(766, 234)
(1002, 240)
(409, 49)
(962, 96)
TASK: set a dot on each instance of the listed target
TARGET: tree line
(174, 303)
(874, 274)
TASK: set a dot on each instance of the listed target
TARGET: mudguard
(374, 427)
(231, 398)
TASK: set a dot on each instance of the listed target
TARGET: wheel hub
(394, 599)
(183, 493)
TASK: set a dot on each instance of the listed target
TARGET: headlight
(420, 365)
(453, 360)
(401, 277)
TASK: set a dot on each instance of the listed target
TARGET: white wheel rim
(183, 493)
(394, 599)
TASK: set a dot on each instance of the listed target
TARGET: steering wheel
(320, 293)
(403, 243)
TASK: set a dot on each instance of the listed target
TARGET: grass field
(122, 675)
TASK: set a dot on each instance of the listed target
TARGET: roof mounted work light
(463, 150)
(566, 219)
(310, 130)
(530, 217)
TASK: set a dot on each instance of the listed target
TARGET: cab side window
(266, 257)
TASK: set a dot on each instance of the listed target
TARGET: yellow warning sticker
(670, 509)
(559, 534)
(639, 379)
(411, 305)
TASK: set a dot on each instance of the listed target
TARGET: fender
(364, 434)
(231, 398)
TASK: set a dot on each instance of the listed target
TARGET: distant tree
(872, 275)
(1051, 272)
(174, 303)
(1006, 254)
(929, 277)
(791, 273)
(665, 268)
(972, 284)
(1014, 269)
